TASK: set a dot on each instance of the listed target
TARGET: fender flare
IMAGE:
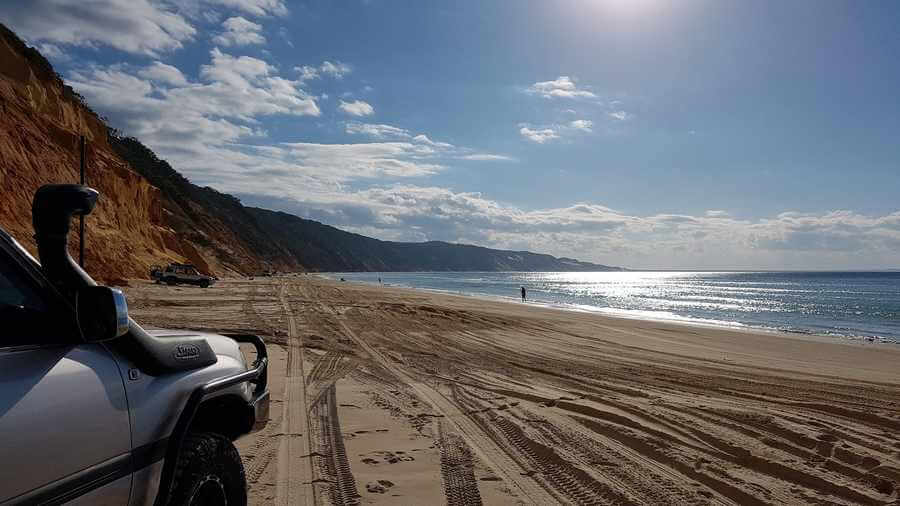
(257, 375)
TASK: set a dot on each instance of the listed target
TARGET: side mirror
(102, 313)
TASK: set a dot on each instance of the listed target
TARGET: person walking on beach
(523, 294)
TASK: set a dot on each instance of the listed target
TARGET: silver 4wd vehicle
(176, 273)
(96, 410)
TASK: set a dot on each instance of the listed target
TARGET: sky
(691, 134)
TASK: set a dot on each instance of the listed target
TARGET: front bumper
(258, 405)
(259, 411)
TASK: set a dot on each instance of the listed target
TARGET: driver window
(26, 316)
(15, 293)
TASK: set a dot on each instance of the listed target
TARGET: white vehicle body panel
(146, 485)
(157, 402)
(107, 495)
(50, 397)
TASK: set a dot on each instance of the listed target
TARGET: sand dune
(391, 396)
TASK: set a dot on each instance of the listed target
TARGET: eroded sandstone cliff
(41, 122)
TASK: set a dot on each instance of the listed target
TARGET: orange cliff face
(40, 126)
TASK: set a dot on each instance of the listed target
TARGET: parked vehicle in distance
(176, 273)
(96, 410)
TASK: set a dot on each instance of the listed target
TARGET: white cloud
(619, 115)
(598, 233)
(344, 162)
(307, 72)
(582, 124)
(422, 138)
(561, 87)
(191, 10)
(239, 32)
(357, 108)
(542, 134)
(235, 71)
(134, 26)
(428, 147)
(148, 27)
(210, 129)
(539, 136)
(162, 73)
(254, 7)
(300, 170)
(487, 157)
(52, 52)
(336, 70)
(176, 115)
(378, 131)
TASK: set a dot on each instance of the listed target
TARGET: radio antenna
(81, 217)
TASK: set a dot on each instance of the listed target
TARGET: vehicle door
(193, 275)
(65, 433)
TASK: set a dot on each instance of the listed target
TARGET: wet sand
(394, 396)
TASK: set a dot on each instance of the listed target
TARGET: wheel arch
(225, 414)
(211, 408)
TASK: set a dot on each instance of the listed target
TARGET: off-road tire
(209, 471)
(171, 281)
(204, 283)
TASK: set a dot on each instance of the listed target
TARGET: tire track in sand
(293, 486)
(263, 451)
(460, 487)
(332, 476)
(482, 444)
(330, 454)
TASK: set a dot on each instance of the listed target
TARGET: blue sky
(643, 133)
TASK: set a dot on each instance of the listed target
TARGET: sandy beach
(384, 395)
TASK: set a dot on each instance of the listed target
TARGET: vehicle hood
(221, 345)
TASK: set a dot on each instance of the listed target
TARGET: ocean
(855, 305)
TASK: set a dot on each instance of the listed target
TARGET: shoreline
(744, 347)
(619, 314)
